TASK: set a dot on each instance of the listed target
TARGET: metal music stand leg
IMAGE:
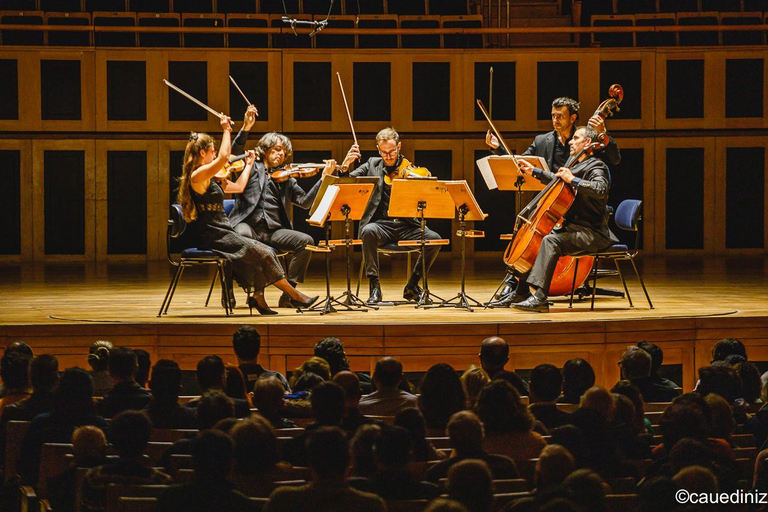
(425, 299)
(518, 206)
(349, 298)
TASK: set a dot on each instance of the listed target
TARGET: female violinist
(253, 264)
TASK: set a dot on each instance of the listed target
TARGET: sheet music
(487, 173)
(536, 161)
(323, 208)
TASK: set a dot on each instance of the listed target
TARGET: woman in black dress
(201, 195)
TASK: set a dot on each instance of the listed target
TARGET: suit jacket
(373, 167)
(543, 145)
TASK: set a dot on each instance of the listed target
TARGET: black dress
(254, 264)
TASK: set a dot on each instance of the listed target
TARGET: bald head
(351, 384)
(599, 400)
(388, 373)
(494, 354)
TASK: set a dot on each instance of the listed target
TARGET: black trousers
(284, 240)
(381, 232)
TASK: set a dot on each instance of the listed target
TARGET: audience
(234, 384)
(388, 399)
(257, 461)
(494, 355)
(332, 350)
(267, 397)
(751, 384)
(554, 465)
(545, 386)
(328, 458)
(445, 505)
(470, 483)
(719, 378)
(727, 347)
(89, 447)
(98, 360)
(44, 376)
(578, 376)
(473, 380)
(14, 370)
(412, 420)
(126, 394)
(164, 410)
(363, 463)
(657, 358)
(210, 376)
(629, 390)
(636, 367)
(353, 418)
(246, 342)
(145, 364)
(588, 490)
(129, 434)
(441, 396)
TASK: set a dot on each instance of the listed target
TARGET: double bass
(546, 211)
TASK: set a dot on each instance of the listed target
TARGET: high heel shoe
(304, 305)
(253, 303)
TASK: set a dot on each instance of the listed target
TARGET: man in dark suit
(263, 210)
(376, 227)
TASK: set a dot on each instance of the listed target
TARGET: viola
(235, 164)
(406, 170)
(286, 172)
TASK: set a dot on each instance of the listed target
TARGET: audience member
(508, 423)
(19, 346)
(328, 458)
(145, 364)
(210, 375)
(210, 490)
(494, 355)
(441, 396)
(126, 394)
(751, 385)
(44, 376)
(470, 483)
(332, 350)
(445, 505)
(473, 380)
(719, 378)
(629, 390)
(657, 358)
(588, 490)
(688, 416)
(267, 397)
(353, 418)
(626, 428)
(257, 461)
(696, 480)
(412, 420)
(658, 493)
(72, 408)
(246, 341)
(726, 347)
(98, 360)
(89, 449)
(392, 481)
(361, 450)
(466, 433)
(313, 365)
(14, 370)
(305, 382)
(545, 386)
(572, 439)
(722, 424)
(554, 465)
(129, 434)
(636, 367)
(388, 399)
(234, 384)
(578, 376)
(164, 410)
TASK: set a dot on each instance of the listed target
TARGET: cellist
(584, 228)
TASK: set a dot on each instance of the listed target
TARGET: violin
(235, 164)
(286, 172)
(406, 170)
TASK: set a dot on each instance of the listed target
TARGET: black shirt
(386, 193)
(124, 396)
(270, 209)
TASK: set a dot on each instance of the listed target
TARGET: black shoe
(232, 301)
(510, 284)
(285, 301)
(304, 305)
(375, 295)
(412, 293)
(533, 304)
(253, 303)
(508, 300)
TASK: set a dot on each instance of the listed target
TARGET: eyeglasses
(388, 153)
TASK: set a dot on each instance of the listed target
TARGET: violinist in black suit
(262, 211)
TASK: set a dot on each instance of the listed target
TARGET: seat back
(627, 214)
(176, 223)
(229, 205)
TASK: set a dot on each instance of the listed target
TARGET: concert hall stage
(62, 308)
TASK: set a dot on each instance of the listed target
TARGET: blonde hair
(197, 142)
(473, 380)
(388, 133)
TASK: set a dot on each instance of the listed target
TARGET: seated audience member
(44, 376)
(636, 367)
(572, 439)
(89, 447)
(445, 505)
(332, 350)
(554, 465)
(441, 396)
(98, 360)
(363, 463)
(328, 458)
(14, 370)
(578, 376)
(657, 358)
(727, 347)
(164, 410)
(719, 378)
(692, 452)
(494, 355)
(126, 394)
(72, 408)
(267, 397)
(508, 423)
(305, 382)
(722, 424)
(210, 490)
(470, 483)
(388, 399)
(466, 433)
(658, 493)
(473, 380)
(625, 429)
(629, 390)
(257, 461)
(392, 481)
(412, 420)
(353, 418)
(757, 425)
(751, 385)
(697, 480)
(545, 386)
(246, 341)
(588, 490)
(145, 365)
(327, 410)
(234, 384)
(210, 375)
(129, 433)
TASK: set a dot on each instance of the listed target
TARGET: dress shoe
(412, 293)
(285, 301)
(253, 303)
(303, 305)
(533, 304)
(507, 300)
(232, 301)
(510, 283)
(375, 294)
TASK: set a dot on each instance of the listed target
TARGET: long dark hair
(197, 142)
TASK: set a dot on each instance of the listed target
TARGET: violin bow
(496, 132)
(490, 93)
(346, 106)
(247, 101)
(196, 101)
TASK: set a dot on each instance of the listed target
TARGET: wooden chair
(500, 500)
(289, 432)
(527, 469)
(136, 504)
(14, 436)
(168, 435)
(115, 492)
(440, 442)
(502, 486)
(656, 406)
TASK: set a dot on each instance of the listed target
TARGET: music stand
(468, 210)
(345, 202)
(423, 199)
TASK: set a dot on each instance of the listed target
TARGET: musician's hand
(250, 118)
(330, 166)
(226, 123)
(491, 141)
(525, 166)
(250, 158)
(565, 174)
(598, 123)
(352, 155)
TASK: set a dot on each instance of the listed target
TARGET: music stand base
(351, 300)
(461, 301)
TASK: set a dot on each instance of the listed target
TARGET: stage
(62, 308)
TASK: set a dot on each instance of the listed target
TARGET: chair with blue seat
(627, 217)
(189, 258)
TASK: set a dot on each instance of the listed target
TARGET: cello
(546, 211)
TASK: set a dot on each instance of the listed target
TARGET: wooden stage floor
(62, 308)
